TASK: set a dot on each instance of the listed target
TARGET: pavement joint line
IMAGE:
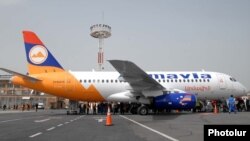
(34, 135)
(151, 129)
(66, 122)
(59, 125)
(51, 128)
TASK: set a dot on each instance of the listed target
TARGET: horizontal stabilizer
(20, 75)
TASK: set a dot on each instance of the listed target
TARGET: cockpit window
(232, 79)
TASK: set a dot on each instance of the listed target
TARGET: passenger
(121, 108)
(28, 107)
(245, 103)
(94, 108)
(23, 108)
(87, 108)
(36, 106)
(4, 107)
(231, 104)
(198, 106)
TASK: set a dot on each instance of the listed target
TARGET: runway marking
(18, 119)
(32, 136)
(100, 120)
(151, 129)
(51, 128)
(43, 120)
(206, 114)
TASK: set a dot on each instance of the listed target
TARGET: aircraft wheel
(143, 110)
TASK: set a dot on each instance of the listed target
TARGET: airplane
(160, 90)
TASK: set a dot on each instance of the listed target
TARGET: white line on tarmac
(32, 136)
(43, 120)
(18, 119)
(59, 125)
(66, 122)
(153, 130)
(51, 128)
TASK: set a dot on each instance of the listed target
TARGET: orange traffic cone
(108, 118)
(215, 109)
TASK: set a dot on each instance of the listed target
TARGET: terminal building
(16, 97)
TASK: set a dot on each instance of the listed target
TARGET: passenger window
(184, 80)
(192, 80)
(80, 80)
(107, 81)
(196, 80)
(89, 81)
(94, 81)
(102, 81)
(179, 80)
(176, 80)
(115, 81)
(167, 80)
(188, 80)
(159, 81)
(208, 80)
(163, 81)
(85, 81)
(111, 80)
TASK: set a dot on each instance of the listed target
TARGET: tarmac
(55, 125)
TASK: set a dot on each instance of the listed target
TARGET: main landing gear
(139, 109)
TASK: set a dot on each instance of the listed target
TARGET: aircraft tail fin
(39, 58)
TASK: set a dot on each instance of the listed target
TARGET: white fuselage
(211, 85)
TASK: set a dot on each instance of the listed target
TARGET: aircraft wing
(138, 79)
(20, 75)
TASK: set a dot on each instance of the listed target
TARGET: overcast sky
(166, 35)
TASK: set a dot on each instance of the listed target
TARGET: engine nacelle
(175, 101)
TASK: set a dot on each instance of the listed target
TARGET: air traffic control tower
(100, 31)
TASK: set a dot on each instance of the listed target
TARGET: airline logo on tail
(38, 54)
(39, 58)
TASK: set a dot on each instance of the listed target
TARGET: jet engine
(175, 101)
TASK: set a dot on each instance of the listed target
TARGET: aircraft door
(221, 81)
